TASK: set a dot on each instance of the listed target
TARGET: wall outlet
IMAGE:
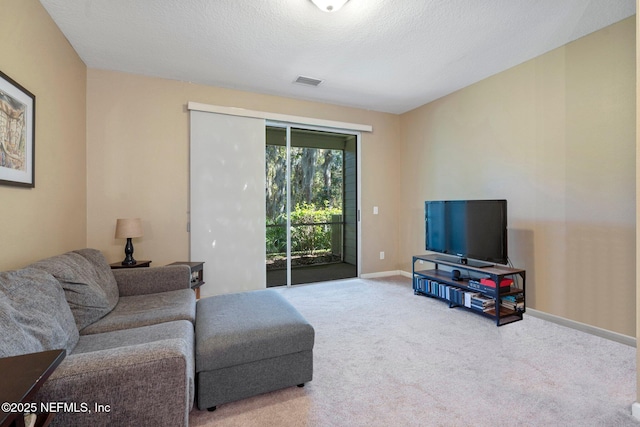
(375, 210)
(381, 255)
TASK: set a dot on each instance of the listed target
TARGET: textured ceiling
(383, 55)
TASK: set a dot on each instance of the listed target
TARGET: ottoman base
(250, 379)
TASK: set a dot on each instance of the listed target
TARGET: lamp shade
(128, 227)
(329, 5)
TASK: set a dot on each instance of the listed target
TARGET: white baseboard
(593, 330)
(635, 410)
(382, 274)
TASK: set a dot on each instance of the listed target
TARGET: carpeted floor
(384, 357)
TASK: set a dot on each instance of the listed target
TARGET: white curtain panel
(227, 201)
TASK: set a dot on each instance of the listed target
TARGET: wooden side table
(117, 265)
(22, 376)
(197, 274)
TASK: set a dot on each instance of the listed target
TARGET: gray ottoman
(249, 343)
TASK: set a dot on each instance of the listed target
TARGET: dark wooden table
(21, 377)
(197, 274)
(116, 265)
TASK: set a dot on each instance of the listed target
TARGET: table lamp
(128, 228)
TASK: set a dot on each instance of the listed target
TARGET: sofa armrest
(142, 281)
(146, 384)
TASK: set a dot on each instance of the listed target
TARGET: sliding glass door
(277, 183)
(311, 205)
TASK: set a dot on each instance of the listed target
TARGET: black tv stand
(503, 304)
(465, 261)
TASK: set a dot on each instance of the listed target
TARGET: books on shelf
(453, 294)
(513, 302)
(430, 287)
(482, 302)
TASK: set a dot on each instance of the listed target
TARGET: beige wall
(50, 218)
(637, 157)
(555, 136)
(138, 163)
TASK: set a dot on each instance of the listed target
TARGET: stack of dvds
(420, 284)
(482, 303)
(455, 295)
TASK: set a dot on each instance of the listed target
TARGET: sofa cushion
(34, 314)
(145, 375)
(179, 332)
(89, 290)
(104, 275)
(136, 336)
(142, 310)
(245, 327)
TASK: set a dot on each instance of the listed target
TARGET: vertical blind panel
(227, 201)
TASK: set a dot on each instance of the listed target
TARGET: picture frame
(17, 134)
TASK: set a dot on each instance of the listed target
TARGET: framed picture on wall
(17, 134)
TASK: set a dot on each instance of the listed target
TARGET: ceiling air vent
(309, 81)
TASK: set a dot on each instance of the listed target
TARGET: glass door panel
(276, 206)
(314, 239)
(317, 207)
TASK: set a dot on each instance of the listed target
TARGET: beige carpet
(384, 357)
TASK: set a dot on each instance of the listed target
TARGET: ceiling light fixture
(329, 5)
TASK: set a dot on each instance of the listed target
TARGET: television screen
(475, 229)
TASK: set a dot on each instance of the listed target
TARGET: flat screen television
(468, 230)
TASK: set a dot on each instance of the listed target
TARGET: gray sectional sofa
(128, 333)
(130, 338)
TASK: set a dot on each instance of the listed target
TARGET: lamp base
(128, 251)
